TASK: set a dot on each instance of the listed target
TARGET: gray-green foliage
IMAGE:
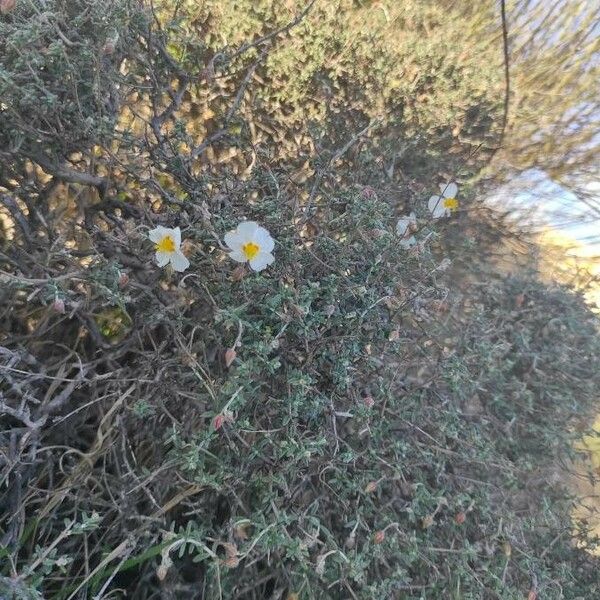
(59, 74)
(375, 439)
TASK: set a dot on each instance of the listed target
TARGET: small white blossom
(443, 204)
(251, 243)
(404, 228)
(167, 244)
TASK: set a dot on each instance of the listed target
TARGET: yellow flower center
(250, 250)
(167, 244)
(451, 203)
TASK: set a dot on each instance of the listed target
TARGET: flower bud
(368, 401)
(59, 305)
(460, 518)
(379, 537)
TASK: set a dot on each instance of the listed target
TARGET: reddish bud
(379, 537)
(230, 355)
(59, 306)
(231, 562)
(460, 518)
(368, 401)
(231, 555)
(221, 419)
(123, 279)
(368, 192)
(371, 487)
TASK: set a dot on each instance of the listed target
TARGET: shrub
(357, 420)
(59, 74)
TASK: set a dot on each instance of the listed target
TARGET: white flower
(251, 243)
(167, 243)
(404, 228)
(445, 203)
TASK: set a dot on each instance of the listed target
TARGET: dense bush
(58, 75)
(359, 420)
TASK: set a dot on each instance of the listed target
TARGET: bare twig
(71, 175)
(506, 78)
(232, 110)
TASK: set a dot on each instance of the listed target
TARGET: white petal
(238, 256)
(176, 233)
(402, 226)
(261, 260)
(246, 230)
(451, 190)
(412, 217)
(408, 242)
(436, 206)
(264, 240)
(162, 258)
(157, 234)
(440, 212)
(179, 262)
(434, 203)
(233, 240)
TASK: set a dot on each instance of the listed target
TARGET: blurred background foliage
(394, 424)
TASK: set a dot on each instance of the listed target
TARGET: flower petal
(179, 262)
(440, 212)
(246, 230)
(450, 190)
(233, 240)
(408, 242)
(402, 226)
(434, 203)
(238, 256)
(176, 233)
(263, 238)
(261, 261)
(162, 258)
(157, 234)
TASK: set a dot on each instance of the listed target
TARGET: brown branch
(506, 79)
(232, 110)
(71, 175)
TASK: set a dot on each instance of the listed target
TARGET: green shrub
(356, 421)
(59, 74)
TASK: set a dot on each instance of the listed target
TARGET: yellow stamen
(167, 244)
(250, 250)
(451, 203)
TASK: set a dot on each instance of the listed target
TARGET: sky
(542, 203)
